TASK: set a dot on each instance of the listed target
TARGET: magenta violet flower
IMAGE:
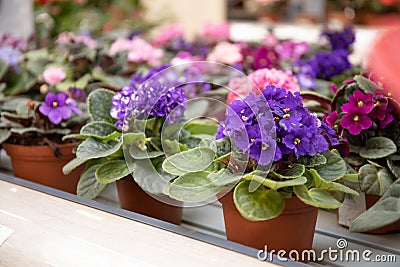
(359, 102)
(58, 107)
(356, 122)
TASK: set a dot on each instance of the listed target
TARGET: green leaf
(365, 84)
(351, 177)
(312, 162)
(393, 163)
(138, 153)
(112, 171)
(224, 177)
(202, 126)
(98, 128)
(149, 175)
(334, 169)
(384, 212)
(374, 181)
(4, 135)
(378, 147)
(88, 186)
(92, 148)
(74, 163)
(193, 187)
(275, 185)
(331, 186)
(99, 105)
(259, 205)
(316, 197)
(193, 160)
(296, 170)
(172, 147)
(3, 68)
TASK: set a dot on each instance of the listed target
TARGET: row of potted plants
(275, 151)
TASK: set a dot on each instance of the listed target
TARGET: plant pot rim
(35, 151)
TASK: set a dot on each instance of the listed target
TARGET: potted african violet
(367, 118)
(31, 133)
(272, 166)
(129, 135)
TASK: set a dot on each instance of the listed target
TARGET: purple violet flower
(58, 107)
(382, 111)
(341, 39)
(264, 57)
(295, 130)
(77, 94)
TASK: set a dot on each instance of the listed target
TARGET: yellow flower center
(377, 104)
(55, 104)
(389, 94)
(244, 118)
(286, 116)
(276, 118)
(286, 110)
(278, 140)
(356, 118)
(296, 141)
(360, 103)
(264, 147)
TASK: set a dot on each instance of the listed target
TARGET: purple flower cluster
(148, 99)
(340, 39)
(58, 107)
(10, 55)
(324, 65)
(252, 125)
(362, 109)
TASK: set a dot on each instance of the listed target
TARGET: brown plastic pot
(292, 230)
(370, 200)
(132, 197)
(39, 164)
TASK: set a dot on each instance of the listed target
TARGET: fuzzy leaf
(193, 187)
(112, 171)
(297, 170)
(393, 163)
(374, 181)
(98, 128)
(92, 148)
(334, 169)
(378, 147)
(384, 212)
(193, 160)
(312, 162)
(99, 104)
(316, 197)
(223, 177)
(275, 185)
(365, 84)
(74, 163)
(149, 175)
(331, 186)
(259, 205)
(88, 186)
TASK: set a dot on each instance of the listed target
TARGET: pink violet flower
(182, 58)
(359, 102)
(144, 52)
(355, 122)
(225, 52)
(217, 32)
(69, 37)
(168, 33)
(261, 78)
(54, 75)
(270, 40)
(120, 45)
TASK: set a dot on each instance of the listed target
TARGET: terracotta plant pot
(132, 197)
(292, 230)
(370, 200)
(39, 164)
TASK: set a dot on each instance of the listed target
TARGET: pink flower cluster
(168, 33)
(217, 32)
(225, 52)
(138, 51)
(70, 37)
(54, 75)
(241, 87)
